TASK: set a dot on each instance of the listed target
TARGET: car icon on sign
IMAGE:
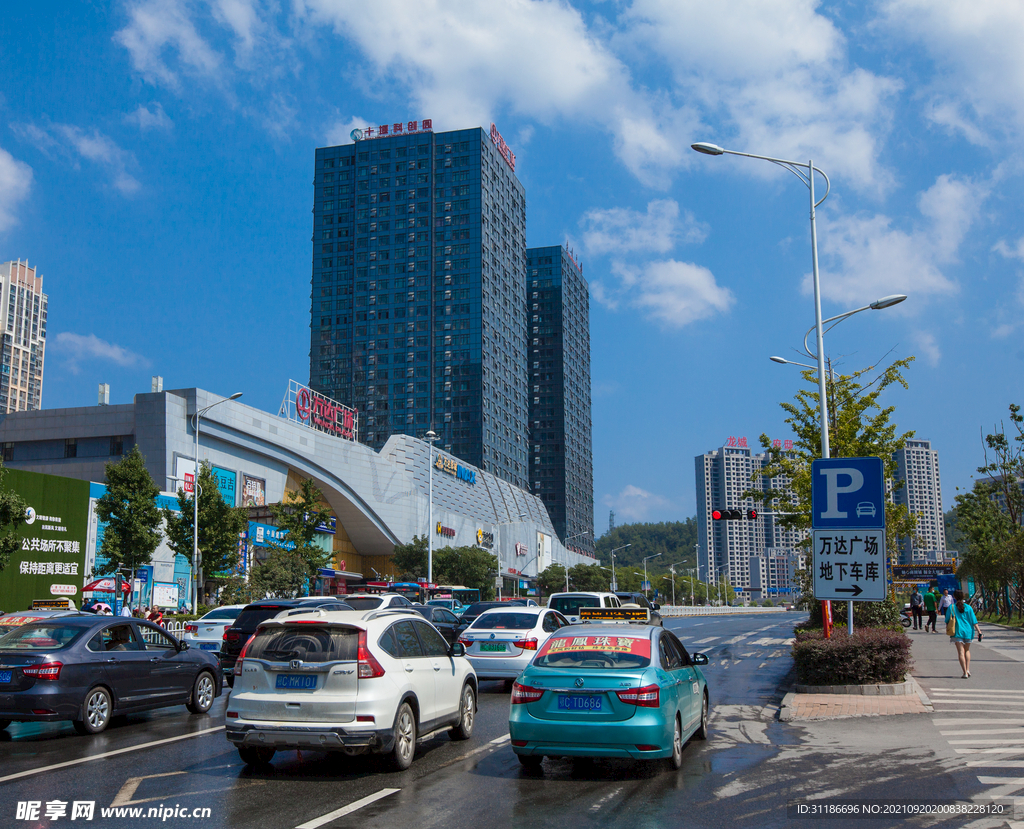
(865, 508)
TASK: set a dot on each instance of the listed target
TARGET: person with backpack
(961, 623)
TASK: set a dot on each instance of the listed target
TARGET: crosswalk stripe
(990, 750)
(973, 691)
(1019, 731)
(1014, 741)
(1000, 763)
(977, 701)
(705, 641)
(976, 721)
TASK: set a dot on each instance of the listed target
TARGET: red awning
(105, 586)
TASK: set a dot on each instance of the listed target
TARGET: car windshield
(501, 620)
(570, 605)
(305, 642)
(39, 637)
(221, 614)
(614, 653)
(363, 603)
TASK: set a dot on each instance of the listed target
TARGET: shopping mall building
(380, 499)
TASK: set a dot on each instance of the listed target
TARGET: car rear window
(570, 605)
(476, 609)
(505, 621)
(366, 603)
(250, 618)
(220, 614)
(614, 653)
(39, 637)
(306, 642)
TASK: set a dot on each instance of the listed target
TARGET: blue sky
(156, 160)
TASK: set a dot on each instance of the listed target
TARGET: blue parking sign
(847, 493)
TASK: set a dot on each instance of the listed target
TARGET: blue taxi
(609, 690)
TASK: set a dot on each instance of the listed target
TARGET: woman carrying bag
(961, 623)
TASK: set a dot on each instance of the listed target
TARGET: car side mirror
(457, 649)
(656, 606)
(182, 645)
(699, 659)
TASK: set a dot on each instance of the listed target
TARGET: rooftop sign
(310, 408)
(390, 130)
(503, 148)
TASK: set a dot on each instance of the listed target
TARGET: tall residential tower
(23, 321)
(917, 466)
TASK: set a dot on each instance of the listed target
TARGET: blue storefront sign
(226, 480)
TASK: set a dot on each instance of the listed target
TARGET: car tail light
(231, 635)
(466, 642)
(646, 747)
(365, 718)
(241, 656)
(43, 711)
(526, 644)
(232, 715)
(519, 743)
(647, 697)
(368, 666)
(191, 628)
(47, 670)
(524, 693)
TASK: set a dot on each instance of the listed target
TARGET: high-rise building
(726, 547)
(418, 285)
(23, 321)
(558, 352)
(917, 466)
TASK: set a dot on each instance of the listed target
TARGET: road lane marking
(976, 701)
(705, 641)
(105, 754)
(989, 750)
(978, 721)
(975, 691)
(1018, 731)
(984, 742)
(124, 796)
(597, 806)
(1003, 764)
(347, 810)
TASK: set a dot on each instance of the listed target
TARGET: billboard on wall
(184, 470)
(254, 492)
(51, 559)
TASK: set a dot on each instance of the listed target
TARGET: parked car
(90, 668)
(441, 618)
(206, 633)
(569, 604)
(349, 681)
(501, 641)
(591, 691)
(641, 600)
(475, 609)
(252, 615)
(375, 601)
(454, 605)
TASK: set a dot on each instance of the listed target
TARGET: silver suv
(350, 681)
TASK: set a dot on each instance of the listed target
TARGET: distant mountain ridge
(675, 541)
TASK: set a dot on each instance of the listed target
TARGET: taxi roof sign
(615, 614)
(53, 604)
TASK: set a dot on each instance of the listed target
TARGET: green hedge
(870, 656)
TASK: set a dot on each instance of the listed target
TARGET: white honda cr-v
(350, 681)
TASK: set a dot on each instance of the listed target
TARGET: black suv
(250, 618)
(643, 601)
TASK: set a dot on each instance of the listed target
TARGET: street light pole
(645, 569)
(691, 569)
(195, 496)
(430, 437)
(570, 538)
(615, 584)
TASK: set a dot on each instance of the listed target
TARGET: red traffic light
(726, 514)
(751, 514)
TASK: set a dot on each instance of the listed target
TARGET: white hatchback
(206, 633)
(502, 641)
(350, 681)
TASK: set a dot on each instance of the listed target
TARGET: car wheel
(201, 699)
(676, 760)
(253, 756)
(405, 737)
(467, 711)
(702, 730)
(530, 761)
(96, 711)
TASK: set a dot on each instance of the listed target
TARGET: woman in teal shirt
(966, 624)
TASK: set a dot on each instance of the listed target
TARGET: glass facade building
(23, 307)
(418, 283)
(561, 465)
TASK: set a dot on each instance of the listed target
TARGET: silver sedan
(502, 641)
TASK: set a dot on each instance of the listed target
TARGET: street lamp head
(707, 149)
(782, 360)
(887, 301)
(235, 396)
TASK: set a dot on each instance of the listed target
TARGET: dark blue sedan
(88, 669)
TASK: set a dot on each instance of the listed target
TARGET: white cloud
(635, 504)
(95, 147)
(158, 28)
(979, 84)
(79, 348)
(670, 292)
(15, 183)
(866, 257)
(1016, 251)
(621, 230)
(146, 120)
(928, 346)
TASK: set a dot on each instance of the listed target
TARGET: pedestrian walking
(917, 607)
(930, 605)
(945, 602)
(964, 624)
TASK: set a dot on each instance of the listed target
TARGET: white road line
(1018, 731)
(989, 750)
(968, 711)
(347, 810)
(976, 701)
(128, 789)
(978, 721)
(974, 691)
(105, 754)
(705, 641)
(998, 762)
(1015, 741)
(759, 667)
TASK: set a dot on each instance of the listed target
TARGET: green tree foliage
(12, 516)
(219, 526)
(410, 560)
(675, 540)
(129, 509)
(589, 577)
(990, 519)
(299, 515)
(466, 566)
(283, 575)
(859, 426)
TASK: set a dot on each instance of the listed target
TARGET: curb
(894, 689)
(787, 708)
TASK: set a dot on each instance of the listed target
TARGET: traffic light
(751, 514)
(726, 514)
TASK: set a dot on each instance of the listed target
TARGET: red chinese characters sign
(503, 148)
(741, 443)
(615, 644)
(399, 128)
(303, 405)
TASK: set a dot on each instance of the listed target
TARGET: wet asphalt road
(744, 775)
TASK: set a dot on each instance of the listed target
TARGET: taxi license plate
(5, 676)
(492, 646)
(579, 702)
(207, 646)
(299, 682)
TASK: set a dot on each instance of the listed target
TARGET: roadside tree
(129, 509)
(12, 515)
(298, 516)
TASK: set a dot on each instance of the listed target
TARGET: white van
(569, 604)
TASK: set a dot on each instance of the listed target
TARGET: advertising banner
(254, 492)
(51, 558)
(226, 479)
(165, 595)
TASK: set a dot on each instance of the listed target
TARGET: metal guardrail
(680, 610)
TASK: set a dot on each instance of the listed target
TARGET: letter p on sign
(853, 481)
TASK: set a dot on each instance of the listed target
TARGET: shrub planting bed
(870, 656)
